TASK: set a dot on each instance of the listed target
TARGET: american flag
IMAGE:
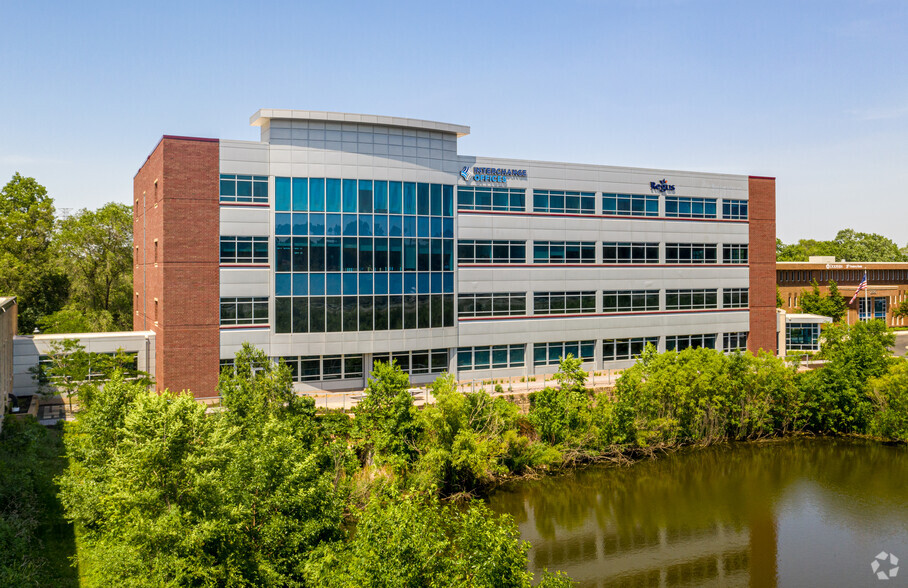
(861, 286)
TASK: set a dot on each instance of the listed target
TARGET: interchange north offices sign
(496, 175)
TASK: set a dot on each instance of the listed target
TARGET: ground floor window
(681, 342)
(424, 361)
(552, 353)
(490, 357)
(802, 336)
(616, 349)
(872, 308)
(735, 341)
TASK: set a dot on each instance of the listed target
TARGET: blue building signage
(491, 174)
(662, 186)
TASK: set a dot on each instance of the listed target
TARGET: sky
(814, 93)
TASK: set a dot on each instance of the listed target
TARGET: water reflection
(795, 513)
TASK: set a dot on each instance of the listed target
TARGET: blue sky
(812, 92)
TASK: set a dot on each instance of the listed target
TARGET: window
(689, 207)
(244, 311)
(734, 253)
(735, 341)
(630, 252)
(630, 204)
(381, 312)
(363, 196)
(691, 299)
(492, 304)
(552, 353)
(734, 209)
(490, 357)
(690, 253)
(735, 297)
(498, 199)
(630, 300)
(310, 368)
(802, 336)
(245, 189)
(564, 302)
(617, 349)
(425, 361)
(473, 251)
(682, 342)
(560, 201)
(876, 306)
(244, 249)
(564, 252)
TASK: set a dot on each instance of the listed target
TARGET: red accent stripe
(762, 177)
(616, 216)
(264, 265)
(645, 312)
(186, 138)
(252, 204)
(227, 327)
(556, 265)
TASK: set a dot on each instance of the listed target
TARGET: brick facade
(176, 279)
(762, 214)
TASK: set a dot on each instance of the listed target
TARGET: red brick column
(176, 229)
(762, 252)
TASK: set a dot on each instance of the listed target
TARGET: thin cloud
(881, 113)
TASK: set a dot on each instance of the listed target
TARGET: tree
(386, 422)
(779, 302)
(416, 541)
(854, 246)
(557, 414)
(28, 269)
(832, 304)
(95, 247)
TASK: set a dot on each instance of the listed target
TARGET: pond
(804, 512)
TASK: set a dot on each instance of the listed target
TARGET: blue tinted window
(395, 197)
(381, 283)
(436, 283)
(380, 197)
(423, 226)
(381, 225)
(282, 285)
(350, 196)
(282, 224)
(409, 283)
(365, 196)
(422, 281)
(282, 193)
(409, 226)
(317, 194)
(448, 227)
(436, 199)
(365, 225)
(436, 227)
(332, 195)
(300, 223)
(317, 284)
(350, 222)
(349, 284)
(333, 285)
(395, 226)
(316, 224)
(395, 283)
(300, 194)
(448, 282)
(332, 224)
(300, 284)
(365, 283)
(409, 198)
(422, 199)
(447, 200)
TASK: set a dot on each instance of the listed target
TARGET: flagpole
(866, 304)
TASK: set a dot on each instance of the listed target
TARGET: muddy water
(808, 512)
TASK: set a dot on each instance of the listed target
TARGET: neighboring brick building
(887, 285)
(339, 239)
